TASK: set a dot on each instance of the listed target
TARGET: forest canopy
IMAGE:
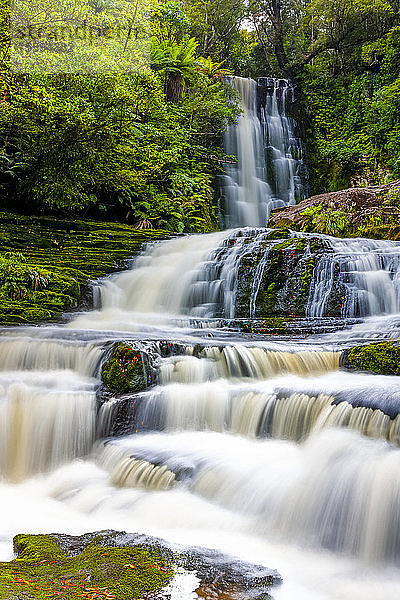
(146, 145)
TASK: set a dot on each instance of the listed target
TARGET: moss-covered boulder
(281, 288)
(125, 371)
(382, 358)
(43, 569)
(113, 565)
(371, 212)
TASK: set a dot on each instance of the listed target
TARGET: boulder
(364, 212)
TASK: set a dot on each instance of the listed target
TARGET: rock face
(364, 212)
(275, 281)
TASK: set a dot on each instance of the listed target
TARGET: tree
(296, 32)
(216, 24)
(177, 63)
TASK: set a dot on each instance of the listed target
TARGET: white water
(260, 448)
(370, 273)
(199, 276)
(263, 142)
(315, 510)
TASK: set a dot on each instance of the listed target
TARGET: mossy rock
(279, 234)
(112, 565)
(271, 326)
(43, 569)
(125, 371)
(46, 264)
(382, 358)
(285, 283)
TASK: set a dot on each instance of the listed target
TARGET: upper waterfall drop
(269, 156)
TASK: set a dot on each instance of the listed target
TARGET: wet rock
(126, 370)
(275, 281)
(220, 576)
(115, 565)
(355, 212)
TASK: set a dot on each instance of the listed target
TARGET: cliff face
(355, 212)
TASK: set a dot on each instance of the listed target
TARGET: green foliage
(329, 222)
(216, 25)
(124, 371)
(344, 56)
(42, 570)
(112, 145)
(142, 146)
(382, 358)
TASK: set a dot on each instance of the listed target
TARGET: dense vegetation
(145, 147)
(344, 57)
(138, 147)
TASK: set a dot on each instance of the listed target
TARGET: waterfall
(41, 428)
(255, 442)
(227, 274)
(27, 354)
(269, 156)
(338, 491)
(367, 270)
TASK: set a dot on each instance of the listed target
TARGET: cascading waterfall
(269, 156)
(243, 441)
(27, 354)
(324, 492)
(206, 277)
(368, 270)
(284, 150)
(47, 403)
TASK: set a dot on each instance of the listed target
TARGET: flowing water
(256, 445)
(267, 173)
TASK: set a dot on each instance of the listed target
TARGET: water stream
(267, 164)
(256, 445)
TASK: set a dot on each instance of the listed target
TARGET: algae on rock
(283, 282)
(382, 358)
(125, 371)
(114, 565)
(43, 569)
(45, 264)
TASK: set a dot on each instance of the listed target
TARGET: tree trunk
(174, 87)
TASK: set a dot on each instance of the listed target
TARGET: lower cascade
(221, 434)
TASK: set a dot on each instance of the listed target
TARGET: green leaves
(113, 144)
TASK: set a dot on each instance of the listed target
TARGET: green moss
(307, 275)
(279, 234)
(274, 325)
(45, 263)
(379, 222)
(44, 570)
(381, 358)
(124, 372)
(285, 284)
